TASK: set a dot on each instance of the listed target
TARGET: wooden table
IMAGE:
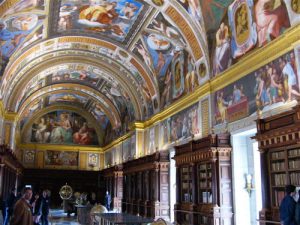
(120, 218)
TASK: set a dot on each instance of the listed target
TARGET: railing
(268, 222)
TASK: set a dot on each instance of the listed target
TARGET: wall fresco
(61, 158)
(93, 160)
(264, 89)
(63, 127)
(68, 98)
(180, 126)
(235, 27)
(28, 156)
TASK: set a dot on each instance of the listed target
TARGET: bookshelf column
(278, 139)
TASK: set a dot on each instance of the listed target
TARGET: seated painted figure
(83, 136)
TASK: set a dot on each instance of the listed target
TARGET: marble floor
(58, 217)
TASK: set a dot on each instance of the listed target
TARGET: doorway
(246, 174)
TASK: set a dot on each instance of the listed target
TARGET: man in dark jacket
(287, 206)
(10, 202)
(107, 200)
(45, 207)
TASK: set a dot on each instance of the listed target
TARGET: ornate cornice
(10, 116)
(118, 141)
(44, 147)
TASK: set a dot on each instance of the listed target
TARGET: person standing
(287, 206)
(297, 210)
(107, 200)
(10, 202)
(45, 207)
(36, 209)
(22, 213)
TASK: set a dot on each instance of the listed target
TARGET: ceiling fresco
(123, 61)
(108, 19)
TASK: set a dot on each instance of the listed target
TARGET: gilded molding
(10, 116)
(117, 141)
(205, 117)
(2, 110)
(44, 147)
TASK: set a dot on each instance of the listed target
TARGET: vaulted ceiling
(107, 59)
(97, 66)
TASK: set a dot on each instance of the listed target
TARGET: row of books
(280, 179)
(279, 195)
(295, 178)
(277, 166)
(294, 152)
(205, 184)
(205, 175)
(277, 155)
(206, 197)
(204, 166)
(294, 164)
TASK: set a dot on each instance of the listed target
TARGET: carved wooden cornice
(279, 130)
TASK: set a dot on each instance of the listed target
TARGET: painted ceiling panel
(108, 19)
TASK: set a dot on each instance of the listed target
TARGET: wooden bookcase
(113, 182)
(11, 171)
(279, 143)
(146, 186)
(204, 188)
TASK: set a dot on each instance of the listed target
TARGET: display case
(278, 141)
(204, 189)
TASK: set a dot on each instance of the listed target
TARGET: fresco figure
(289, 78)
(168, 31)
(62, 133)
(237, 94)
(129, 10)
(262, 96)
(82, 137)
(42, 134)
(165, 97)
(191, 79)
(141, 49)
(271, 18)
(9, 40)
(242, 28)
(101, 17)
(296, 6)
(222, 58)
(222, 106)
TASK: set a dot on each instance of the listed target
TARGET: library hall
(175, 112)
